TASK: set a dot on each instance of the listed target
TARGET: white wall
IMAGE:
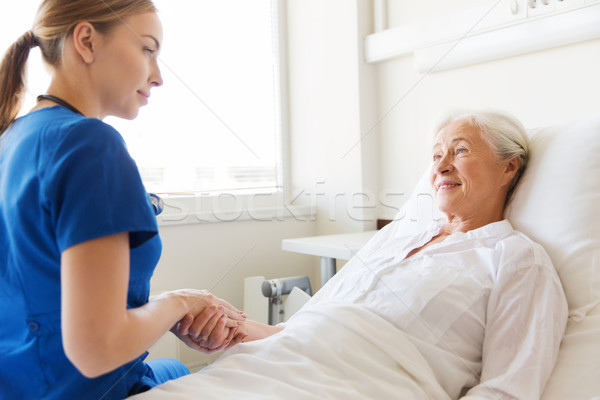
(543, 88)
(330, 110)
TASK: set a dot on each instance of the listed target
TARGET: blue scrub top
(64, 179)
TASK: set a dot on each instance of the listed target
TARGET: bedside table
(329, 248)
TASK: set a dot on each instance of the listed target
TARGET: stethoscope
(157, 203)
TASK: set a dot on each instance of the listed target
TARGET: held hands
(211, 324)
(211, 331)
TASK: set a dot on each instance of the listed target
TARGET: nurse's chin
(128, 114)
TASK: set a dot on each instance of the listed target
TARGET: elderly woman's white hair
(504, 133)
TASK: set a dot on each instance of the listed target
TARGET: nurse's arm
(99, 332)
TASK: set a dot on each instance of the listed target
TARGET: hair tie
(30, 39)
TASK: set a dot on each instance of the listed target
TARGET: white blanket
(368, 358)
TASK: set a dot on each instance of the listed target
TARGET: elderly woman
(468, 308)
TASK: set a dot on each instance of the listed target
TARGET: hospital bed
(557, 203)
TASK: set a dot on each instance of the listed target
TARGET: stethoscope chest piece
(157, 203)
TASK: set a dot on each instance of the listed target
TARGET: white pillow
(418, 212)
(556, 203)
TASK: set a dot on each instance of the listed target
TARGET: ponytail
(12, 78)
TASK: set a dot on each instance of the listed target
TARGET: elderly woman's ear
(511, 168)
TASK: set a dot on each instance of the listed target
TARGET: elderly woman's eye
(461, 151)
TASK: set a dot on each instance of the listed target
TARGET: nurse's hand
(198, 300)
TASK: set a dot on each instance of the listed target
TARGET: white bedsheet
(369, 358)
(577, 372)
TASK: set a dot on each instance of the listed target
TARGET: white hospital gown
(485, 308)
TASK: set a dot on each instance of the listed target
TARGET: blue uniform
(64, 179)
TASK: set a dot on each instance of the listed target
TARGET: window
(214, 125)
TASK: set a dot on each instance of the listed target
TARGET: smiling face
(127, 66)
(468, 180)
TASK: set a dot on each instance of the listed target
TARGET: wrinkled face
(128, 66)
(467, 178)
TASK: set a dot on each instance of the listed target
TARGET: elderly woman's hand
(209, 322)
(208, 332)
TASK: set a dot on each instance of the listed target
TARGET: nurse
(78, 236)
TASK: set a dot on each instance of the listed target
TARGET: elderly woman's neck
(465, 224)
(457, 224)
